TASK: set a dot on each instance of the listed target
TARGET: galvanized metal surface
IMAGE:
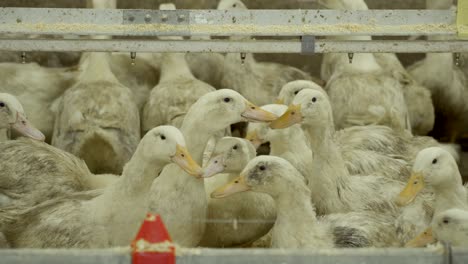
(251, 256)
(254, 46)
(227, 23)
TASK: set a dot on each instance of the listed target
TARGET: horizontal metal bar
(230, 46)
(231, 256)
(227, 23)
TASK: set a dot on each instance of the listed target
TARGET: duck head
(231, 5)
(225, 107)
(257, 133)
(12, 116)
(166, 144)
(309, 108)
(230, 155)
(433, 166)
(265, 174)
(291, 89)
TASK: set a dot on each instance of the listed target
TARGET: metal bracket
(448, 255)
(171, 17)
(308, 45)
(462, 19)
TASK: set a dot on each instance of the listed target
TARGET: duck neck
(196, 133)
(4, 134)
(97, 68)
(174, 65)
(287, 142)
(448, 198)
(328, 175)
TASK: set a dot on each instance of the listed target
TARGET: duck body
(98, 119)
(296, 225)
(33, 172)
(239, 219)
(102, 218)
(177, 90)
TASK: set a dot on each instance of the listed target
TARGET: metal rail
(251, 256)
(226, 23)
(258, 46)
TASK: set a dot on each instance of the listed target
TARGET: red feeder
(153, 244)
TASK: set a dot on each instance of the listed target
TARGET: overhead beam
(228, 46)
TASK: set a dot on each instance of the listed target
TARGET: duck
(297, 225)
(451, 226)
(362, 92)
(291, 144)
(13, 117)
(418, 97)
(211, 113)
(97, 119)
(259, 82)
(240, 219)
(37, 88)
(33, 172)
(103, 218)
(448, 85)
(291, 89)
(176, 91)
(336, 191)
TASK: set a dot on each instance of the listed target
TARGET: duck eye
(434, 161)
(227, 99)
(2, 104)
(234, 5)
(235, 147)
(314, 99)
(163, 137)
(445, 221)
(296, 92)
(262, 168)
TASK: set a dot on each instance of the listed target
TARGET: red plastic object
(152, 244)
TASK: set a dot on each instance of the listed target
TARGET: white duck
(259, 82)
(297, 225)
(291, 144)
(98, 119)
(452, 226)
(448, 85)
(333, 190)
(12, 116)
(103, 218)
(185, 212)
(291, 89)
(361, 92)
(176, 91)
(242, 218)
(36, 87)
(418, 97)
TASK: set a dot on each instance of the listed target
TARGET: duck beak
(236, 186)
(254, 139)
(292, 116)
(25, 128)
(422, 240)
(215, 165)
(413, 187)
(254, 113)
(279, 101)
(185, 161)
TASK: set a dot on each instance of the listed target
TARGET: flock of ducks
(348, 165)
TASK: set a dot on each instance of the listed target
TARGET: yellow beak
(423, 239)
(254, 138)
(254, 113)
(185, 161)
(413, 187)
(279, 101)
(292, 116)
(236, 186)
